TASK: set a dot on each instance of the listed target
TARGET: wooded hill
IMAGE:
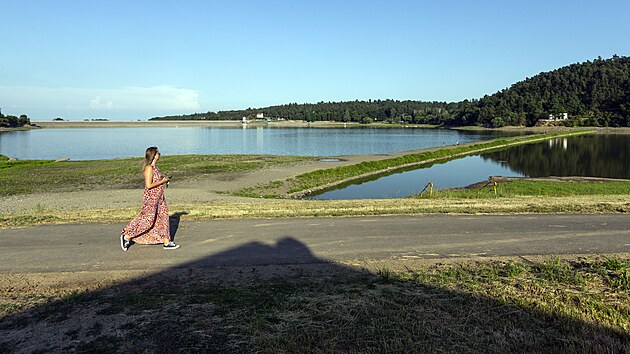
(595, 93)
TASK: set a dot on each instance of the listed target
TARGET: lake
(111, 143)
(591, 156)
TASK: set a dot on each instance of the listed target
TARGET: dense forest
(594, 93)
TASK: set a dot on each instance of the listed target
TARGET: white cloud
(85, 102)
(98, 103)
(161, 97)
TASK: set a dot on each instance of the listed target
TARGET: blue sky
(129, 60)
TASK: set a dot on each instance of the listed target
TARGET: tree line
(594, 93)
(13, 121)
(353, 111)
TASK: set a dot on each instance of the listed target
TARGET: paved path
(252, 242)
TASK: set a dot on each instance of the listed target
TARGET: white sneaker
(171, 246)
(124, 244)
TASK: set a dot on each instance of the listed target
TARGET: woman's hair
(149, 156)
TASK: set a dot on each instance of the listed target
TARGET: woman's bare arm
(148, 178)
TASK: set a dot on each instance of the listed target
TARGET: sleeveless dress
(152, 225)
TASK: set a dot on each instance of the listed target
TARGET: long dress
(152, 225)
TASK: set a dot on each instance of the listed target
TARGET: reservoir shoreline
(304, 124)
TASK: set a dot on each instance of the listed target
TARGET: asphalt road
(252, 242)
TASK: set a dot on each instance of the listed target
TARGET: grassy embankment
(318, 180)
(20, 177)
(536, 306)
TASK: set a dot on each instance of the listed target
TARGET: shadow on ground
(253, 299)
(174, 220)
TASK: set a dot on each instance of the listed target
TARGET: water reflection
(564, 142)
(260, 138)
(455, 173)
(109, 143)
(591, 156)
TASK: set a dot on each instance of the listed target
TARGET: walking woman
(152, 225)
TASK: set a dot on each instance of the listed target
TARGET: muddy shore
(211, 188)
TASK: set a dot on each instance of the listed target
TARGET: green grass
(30, 176)
(514, 188)
(262, 190)
(548, 306)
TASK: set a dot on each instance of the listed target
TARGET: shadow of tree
(258, 298)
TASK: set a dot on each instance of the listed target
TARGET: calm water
(455, 173)
(593, 156)
(109, 143)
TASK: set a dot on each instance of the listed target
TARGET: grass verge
(546, 187)
(325, 208)
(554, 305)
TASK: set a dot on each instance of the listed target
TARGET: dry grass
(551, 306)
(321, 208)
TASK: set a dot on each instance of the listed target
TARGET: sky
(137, 59)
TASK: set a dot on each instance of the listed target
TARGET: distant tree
(24, 120)
(311, 116)
(12, 121)
(366, 120)
(346, 116)
(497, 122)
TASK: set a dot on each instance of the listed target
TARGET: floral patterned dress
(152, 225)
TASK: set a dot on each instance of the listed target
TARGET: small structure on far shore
(260, 117)
(555, 119)
(559, 116)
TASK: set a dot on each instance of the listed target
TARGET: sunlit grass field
(539, 187)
